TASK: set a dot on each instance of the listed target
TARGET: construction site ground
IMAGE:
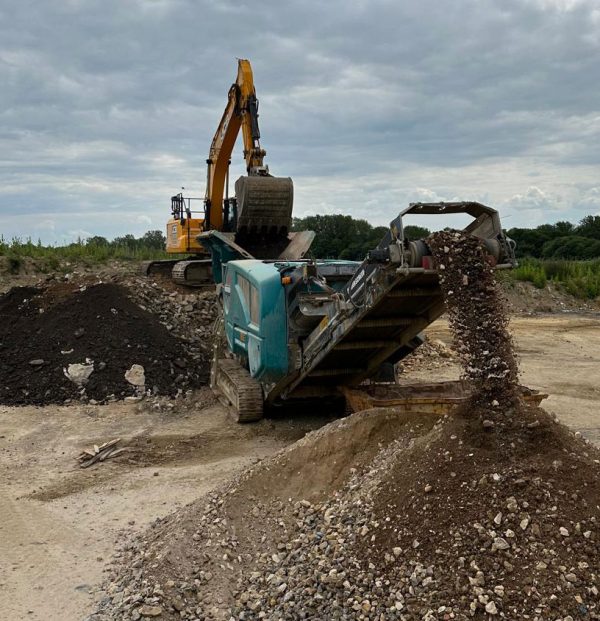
(59, 523)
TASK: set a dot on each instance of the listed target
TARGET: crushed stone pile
(383, 516)
(389, 516)
(69, 341)
(432, 354)
(188, 314)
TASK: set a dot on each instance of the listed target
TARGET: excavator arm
(241, 112)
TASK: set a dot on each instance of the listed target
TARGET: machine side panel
(182, 236)
(255, 318)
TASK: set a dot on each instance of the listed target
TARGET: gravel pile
(431, 521)
(427, 532)
(91, 342)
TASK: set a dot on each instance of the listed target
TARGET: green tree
(573, 247)
(128, 241)
(416, 232)
(97, 240)
(339, 236)
(589, 227)
(153, 239)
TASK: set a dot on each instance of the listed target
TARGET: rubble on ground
(432, 354)
(68, 341)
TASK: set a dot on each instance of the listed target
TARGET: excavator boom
(264, 203)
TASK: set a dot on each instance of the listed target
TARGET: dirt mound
(430, 521)
(45, 330)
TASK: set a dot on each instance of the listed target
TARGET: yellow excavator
(258, 218)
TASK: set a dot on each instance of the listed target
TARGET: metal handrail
(181, 206)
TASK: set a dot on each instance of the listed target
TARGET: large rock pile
(187, 313)
(428, 521)
(68, 341)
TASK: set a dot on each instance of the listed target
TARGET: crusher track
(242, 391)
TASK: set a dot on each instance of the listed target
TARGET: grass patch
(579, 278)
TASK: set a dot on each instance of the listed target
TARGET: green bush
(14, 263)
(579, 278)
(530, 271)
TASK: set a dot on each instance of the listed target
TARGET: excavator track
(243, 392)
(161, 267)
(193, 273)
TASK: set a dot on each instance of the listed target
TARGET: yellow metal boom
(241, 111)
(261, 212)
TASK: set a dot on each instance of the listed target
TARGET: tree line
(562, 240)
(344, 237)
(151, 240)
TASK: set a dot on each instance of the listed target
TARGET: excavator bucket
(264, 207)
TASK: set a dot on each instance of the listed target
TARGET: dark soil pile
(477, 315)
(43, 331)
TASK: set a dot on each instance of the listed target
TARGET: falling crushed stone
(478, 317)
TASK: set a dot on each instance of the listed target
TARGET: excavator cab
(184, 227)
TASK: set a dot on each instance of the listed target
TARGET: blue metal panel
(263, 342)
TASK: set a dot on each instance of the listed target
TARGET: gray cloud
(108, 107)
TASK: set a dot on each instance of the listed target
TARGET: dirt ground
(59, 524)
(559, 355)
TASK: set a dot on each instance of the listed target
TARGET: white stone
(135, 376)
(500, 544)
(79, 373)
(491, 609)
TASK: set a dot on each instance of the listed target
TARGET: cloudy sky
(108, 107)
